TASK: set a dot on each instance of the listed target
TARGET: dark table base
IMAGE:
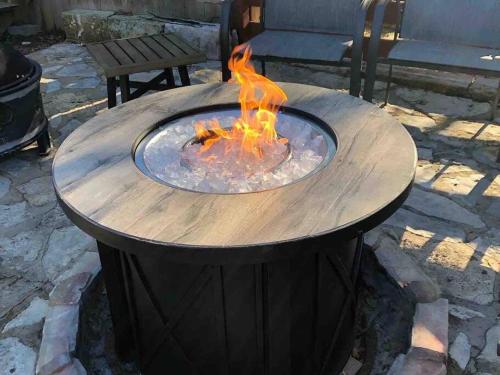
(291, 316)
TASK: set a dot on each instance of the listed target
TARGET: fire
(255, 130)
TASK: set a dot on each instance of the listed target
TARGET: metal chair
(451, 35)
(312, 31)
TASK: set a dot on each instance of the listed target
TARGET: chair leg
(111, 84)
(125, 88)
(263, 67)
(183, 72)
(170, 77)
(43, 142)
(388, 87)
(494, 107)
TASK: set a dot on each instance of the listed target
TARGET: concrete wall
(48, 13)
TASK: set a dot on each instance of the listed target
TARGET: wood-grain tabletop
(103, 191)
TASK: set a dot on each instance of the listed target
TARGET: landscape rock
(15, 290)
(426, 173)
(50, 85)
(460, 350)
(415, 122)
(84, 83)
(430, 327)
(58, 339)
(438, 105)
(397, 365)
(200, 35)
(88, 263)
(458, 181)
(38, 191)
(467, 133)
(464, 271)
(420, 362)
(86, 25)
(425, 226)
(406, 273)
(21, 250)
(4, 186)
(69, 127)
(464, 313)
(424, 153)
(19, 169)
(129, 26)
(65, 245)
(69, 291)
(461, 272)
(434, 205)
(16, 358)
(75, 368)
(12, 214)
(77, 70)
(489, 359)
(47, 71)
(34, 314)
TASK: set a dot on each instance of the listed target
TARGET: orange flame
(260, 100)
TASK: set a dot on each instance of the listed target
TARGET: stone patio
(444, 243)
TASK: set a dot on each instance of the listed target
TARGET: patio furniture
(122, 57)
(312, 31)
(260, 283)
(451, 35)
(22, 118)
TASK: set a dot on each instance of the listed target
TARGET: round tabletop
(103, 191)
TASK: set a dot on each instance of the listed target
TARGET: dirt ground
(29, 44)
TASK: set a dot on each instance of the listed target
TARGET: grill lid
(14, 66)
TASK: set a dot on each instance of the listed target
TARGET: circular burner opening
(176, 155)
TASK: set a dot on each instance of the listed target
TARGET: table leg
(115, 288)
(170, 77)
(125, 88)
(183, 72)
(111, 84)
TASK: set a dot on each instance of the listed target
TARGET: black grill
(22, 119)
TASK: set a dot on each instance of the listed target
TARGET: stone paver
(16, 358)
(430, 327)
(460, 351)
(34, 314)
(489, 359)
(405, 272)
(447, 230)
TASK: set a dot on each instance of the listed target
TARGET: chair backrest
(468, 22)
(333, 16)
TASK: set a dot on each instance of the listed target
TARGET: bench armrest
(225, 38)
(357, 47)
(373, 48)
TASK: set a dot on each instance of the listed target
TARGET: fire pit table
(259, 282)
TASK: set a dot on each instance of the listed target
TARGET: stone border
(61, 325)
(428, 351)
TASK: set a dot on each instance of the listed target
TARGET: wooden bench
(122, 57)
